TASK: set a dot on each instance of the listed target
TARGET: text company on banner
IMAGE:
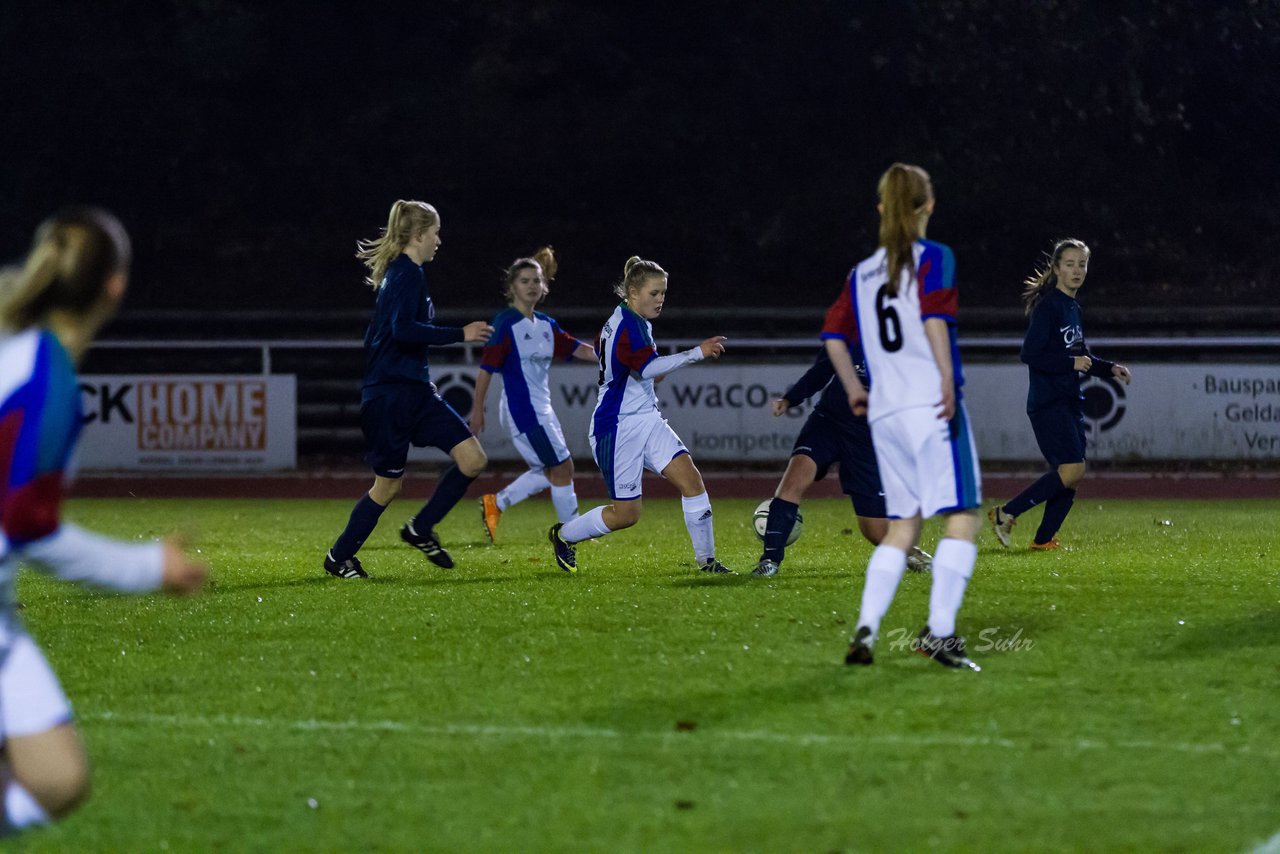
(179, 422)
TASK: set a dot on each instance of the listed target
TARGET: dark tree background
(248, 145)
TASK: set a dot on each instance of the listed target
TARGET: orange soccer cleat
(490, 515)
(1051, 546)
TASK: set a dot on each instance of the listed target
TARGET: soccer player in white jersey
(522, 347)
(901, 305)
(69, 287)
(629, 434)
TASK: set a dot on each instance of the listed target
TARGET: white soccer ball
(761, 518)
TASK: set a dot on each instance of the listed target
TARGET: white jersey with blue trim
(899, 358)
(522, 350)
(625, 347)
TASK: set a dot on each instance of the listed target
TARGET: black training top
(402, 328)
(1055, 337)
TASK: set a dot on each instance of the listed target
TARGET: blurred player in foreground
(901, 304)
(71, 284)
(1058, 360)
(831, 435)
(629, 434)
(399, 405)
(522, 347)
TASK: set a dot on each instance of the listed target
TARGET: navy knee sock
(364, 518)
(782, 518)
(449, 491)
(1055, 513)
(1040, 491)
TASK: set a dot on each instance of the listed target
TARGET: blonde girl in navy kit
(1057, 360)
(399, 405)
(524, 344)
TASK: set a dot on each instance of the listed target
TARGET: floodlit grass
(1127, 701)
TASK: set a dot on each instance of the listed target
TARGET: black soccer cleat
(765, 568)
(715, 567)
(948, 651)
(349, 568)
(428, 545)
(860, 647)
(566, 555)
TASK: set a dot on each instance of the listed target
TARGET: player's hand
(477, 331)
(858, 402)
(1083, 363)
(712, 347)
(780, 405)
(948, 402)
(181, 575)
(1121, 373)
(477, 420)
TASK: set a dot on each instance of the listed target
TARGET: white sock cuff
(588, 526)
(697, 504)
(567, 489)
(956, 556)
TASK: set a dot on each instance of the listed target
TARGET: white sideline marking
(702, 733)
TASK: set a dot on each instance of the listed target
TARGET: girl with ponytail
(1057, 360)
(628, 433)
(900, 305)
(399, 405)
(523, 345)
(71, 284)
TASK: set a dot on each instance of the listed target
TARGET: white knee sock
(566, 502)
(528, 484)
(697, 518)
(884, 571)
(588, 526)
(952, 566)
(20, 809)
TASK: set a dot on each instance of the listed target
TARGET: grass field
(1128, 698)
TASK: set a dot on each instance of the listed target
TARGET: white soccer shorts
(540, 448)
(927, 466)
(31, 700)
(644, 441)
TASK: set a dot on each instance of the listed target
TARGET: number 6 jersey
(890, 328)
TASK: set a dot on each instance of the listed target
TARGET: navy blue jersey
(402, 328)
(834, 402)
(1055, 336)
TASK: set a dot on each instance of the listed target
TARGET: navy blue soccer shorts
(827, 441)
(1060, 433)
(411, 414)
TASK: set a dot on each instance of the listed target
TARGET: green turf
(639, 705)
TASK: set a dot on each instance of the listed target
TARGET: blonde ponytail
(407, 220)
(73, 255)
(905, 192)
(634, 272)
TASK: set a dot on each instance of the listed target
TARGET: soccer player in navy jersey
(904, 301)
(399, 405)
(831, 435)
(523, 345)
(1057, 360)
(70, 285)
(629, 434)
